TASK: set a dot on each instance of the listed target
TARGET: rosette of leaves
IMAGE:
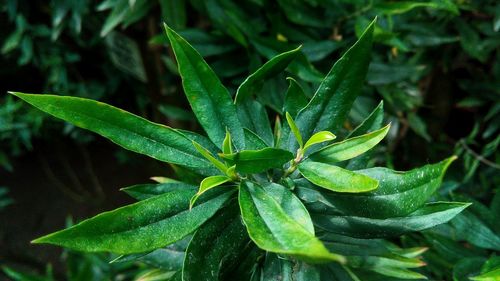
(282, 203)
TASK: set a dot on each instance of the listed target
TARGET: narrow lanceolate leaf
(125, 129)
(398, 194)
(295, 99)
(426, 217)
(145, 191)
(208, 155)
(333, 99)
(144, 226)
(349, 148)
(371, 123)
(273, 230)
(335, 178)
(209, 99)
(255, 81)
(227, 145)
(216, 246)
(207, 184)
(319, 137)
(295, 130)
(257, 161)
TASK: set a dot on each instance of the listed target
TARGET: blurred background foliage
(436, 65)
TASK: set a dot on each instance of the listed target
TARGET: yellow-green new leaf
(295, 129)
(227, 146)
(349, 148)
(319, 137)
(207, 184)
(208, 155)
(335, 178)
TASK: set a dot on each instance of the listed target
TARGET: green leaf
(291, 205)
(295, 98)
(253, 116)
(257, 161)
(144, 226)
(371, 123)
(428, 216)
(216, 246)
(273, 230)
(294, 129)
(227, 145)
(491, 275)
(125, 129)
(209, 99)
(349, 148)
(208, 155)
(398, 193)
(145, 191)
(255, 81)
(253, 141)
(319, 137)
(333, 99)
(207, 184)
(335, 178)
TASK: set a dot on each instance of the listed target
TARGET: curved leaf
(335, 178)
(398, 194)
(254, 82)
(291, 205)
(273, 230)
(125, 129)
(145, 191)
(207, 184)
(333, 99)
(349, 148)
(426, 217)
(319, 137)
(209, 99)
(144, 226)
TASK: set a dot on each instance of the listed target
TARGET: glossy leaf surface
(207, 184)
(145, 191)
(349, 148)
(273, 230)
(319, 137)
(426, 217)
(398, 194)
(209, 99)
(335, 178)
(333, 99)
(125, 129)
(144, 226)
